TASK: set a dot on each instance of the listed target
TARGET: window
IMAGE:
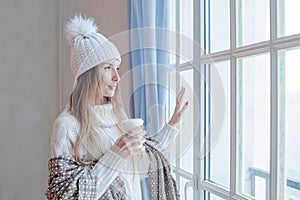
(182, 25)
(289, 112)
(240, 136)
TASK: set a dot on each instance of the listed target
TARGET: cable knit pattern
(105, 116)
(88, 46)
(110, 165)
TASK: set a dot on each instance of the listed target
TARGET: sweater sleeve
(106, 170)
(63, 137)
(166, 135)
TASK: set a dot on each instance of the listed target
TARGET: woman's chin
(109, 95)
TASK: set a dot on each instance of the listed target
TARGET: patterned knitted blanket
(69, 180)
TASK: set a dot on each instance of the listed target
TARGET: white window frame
(272, 46)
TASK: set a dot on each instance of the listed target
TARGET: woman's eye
(107, 67)
(118, 68)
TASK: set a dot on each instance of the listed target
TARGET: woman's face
(109, 77)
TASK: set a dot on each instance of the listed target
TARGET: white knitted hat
(88, 47)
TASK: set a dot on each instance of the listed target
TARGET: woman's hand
(130, 143)
(178, 112)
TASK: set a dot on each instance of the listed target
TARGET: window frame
(271, 46)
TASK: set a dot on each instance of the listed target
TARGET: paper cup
(129, 124)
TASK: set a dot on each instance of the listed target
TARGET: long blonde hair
(82, 97)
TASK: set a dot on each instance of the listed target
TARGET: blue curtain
(149, 61)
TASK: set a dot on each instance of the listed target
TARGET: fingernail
(186, 103)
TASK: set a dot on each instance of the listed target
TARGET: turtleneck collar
(104, 115)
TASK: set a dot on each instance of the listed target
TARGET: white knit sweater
(110, 165)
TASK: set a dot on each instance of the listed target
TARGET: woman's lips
(112, 87)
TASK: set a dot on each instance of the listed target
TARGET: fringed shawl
(70, 180)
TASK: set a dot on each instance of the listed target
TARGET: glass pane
(253, 21)
(187, 132)
(290, 107)
(288, 17)
(253, 124)
(219, 32)
(186, 30)
(211, 196)
(189, 191)
(171, 99)
(219, 157)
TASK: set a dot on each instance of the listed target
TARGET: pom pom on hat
(80, 26)
(88, 47)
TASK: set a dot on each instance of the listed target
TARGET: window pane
(219, 157)
(186, 30)
(219, 25)
(189, 192)
(211, 196)
(171, 99)
(253, 21)
(288, 17)
(187, 132)
(290, 106)
(253, 123)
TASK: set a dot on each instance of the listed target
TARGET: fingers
(139, 133)
(128, 144)
(181, 94)
(176, 117)
(179, 100)
(128, 140)
(184, 107)
(138, 144)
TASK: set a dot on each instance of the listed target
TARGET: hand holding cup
(132, 141)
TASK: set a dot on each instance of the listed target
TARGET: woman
(91, 158)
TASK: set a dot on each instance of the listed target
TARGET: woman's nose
(116, 76)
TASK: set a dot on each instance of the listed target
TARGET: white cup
(129, 124)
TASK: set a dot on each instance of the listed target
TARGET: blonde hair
(81, 99)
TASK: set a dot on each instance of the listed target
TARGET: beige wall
(35, 81)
